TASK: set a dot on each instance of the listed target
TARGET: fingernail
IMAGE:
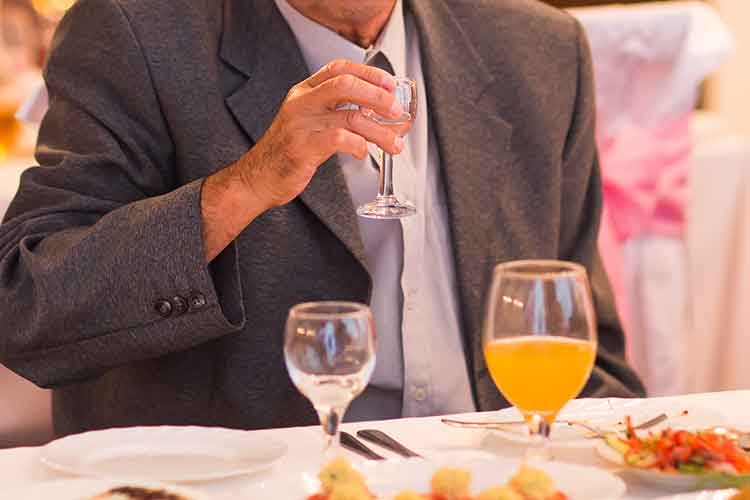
(399, 142)
(396, 109)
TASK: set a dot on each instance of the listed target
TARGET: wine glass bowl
(329, 350)
(387, 205)
(540, 338)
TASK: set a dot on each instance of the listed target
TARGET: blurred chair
(650, 61)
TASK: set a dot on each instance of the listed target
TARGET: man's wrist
(228, 206)
(226, 194)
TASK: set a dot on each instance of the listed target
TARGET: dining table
(425, 435)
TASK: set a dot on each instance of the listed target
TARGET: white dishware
(163, 453)
(608, 414)
(703, 495)
(84, 489)
(389, 477)
(663, 480)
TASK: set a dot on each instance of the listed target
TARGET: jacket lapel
(258, 43)
(474, 143)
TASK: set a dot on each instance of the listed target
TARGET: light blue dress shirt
(421, 365)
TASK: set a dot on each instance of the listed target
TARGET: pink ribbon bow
(644, 174)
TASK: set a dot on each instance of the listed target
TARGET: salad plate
(609, 415)
(726, 494)
(679, 460)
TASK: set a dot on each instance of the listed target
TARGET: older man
(195, 182)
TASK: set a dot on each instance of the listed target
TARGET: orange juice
(540, 374)
(8, 134)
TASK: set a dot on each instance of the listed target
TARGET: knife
(382, 439)
(353, 444)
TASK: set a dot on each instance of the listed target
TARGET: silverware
(598, 432)
(382, 439)
(593, 429)
(353, 444)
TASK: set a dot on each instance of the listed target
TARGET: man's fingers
(354, 121)
(345, 141)
(340, 67)
(348, 89)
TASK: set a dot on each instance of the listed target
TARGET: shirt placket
(410, 177)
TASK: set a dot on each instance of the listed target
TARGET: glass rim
(524, 269)
(303, 310)
(404, 80)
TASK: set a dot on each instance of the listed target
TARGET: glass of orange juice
(540, 339)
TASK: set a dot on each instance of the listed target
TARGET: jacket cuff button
(179, 305)
(196, 300)
(163, 307)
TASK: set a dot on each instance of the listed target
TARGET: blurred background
(674, 138)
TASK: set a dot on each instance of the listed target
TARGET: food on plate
(337, 472)
(500, 493)
(409, 495)
(742, 494)
(350, 491)
(138, 493)
(535, 484)
(340, 481)
(450, 483)
(680, 451)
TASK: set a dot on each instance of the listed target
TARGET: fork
(593, 429)
(598, 432)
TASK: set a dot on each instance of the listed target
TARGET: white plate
(662, 480)
(608, 414)
(82, 489)
(163, 453)
(703, 495)
(389, 477)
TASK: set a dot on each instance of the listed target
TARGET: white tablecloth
(21, 465)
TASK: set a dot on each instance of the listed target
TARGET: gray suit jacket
(104, 294)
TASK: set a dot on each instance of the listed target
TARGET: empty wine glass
(540, 340)
(329, 348)
(386, 205)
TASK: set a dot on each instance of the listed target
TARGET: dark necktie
(379, 60)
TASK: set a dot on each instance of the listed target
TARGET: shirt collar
(320, 45)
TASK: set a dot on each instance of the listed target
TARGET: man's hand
(309, 128)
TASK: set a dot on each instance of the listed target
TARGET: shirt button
(420, 393)
(196, 300)
(163, 307)
(179, 305)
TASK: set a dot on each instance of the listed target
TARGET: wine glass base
(386, 207)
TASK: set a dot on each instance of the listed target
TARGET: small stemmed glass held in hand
(329, 348)
(387, 205)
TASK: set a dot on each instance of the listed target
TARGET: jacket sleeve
(611, 376)
(101, 248)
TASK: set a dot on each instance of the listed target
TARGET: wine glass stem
(385, 185)
(539, 444)
(330, 420)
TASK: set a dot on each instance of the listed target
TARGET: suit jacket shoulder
(527, 40)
